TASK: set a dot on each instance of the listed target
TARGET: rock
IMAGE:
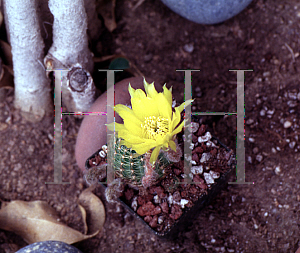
(148, 209)
(92, 132)
(207, 12)
(49, 246)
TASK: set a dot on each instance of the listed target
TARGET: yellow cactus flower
(150, 123)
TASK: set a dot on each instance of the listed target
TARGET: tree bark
(70, 42)
(32, 88)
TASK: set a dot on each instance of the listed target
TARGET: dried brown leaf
(94, 208)
(107, 11)
(36, 221)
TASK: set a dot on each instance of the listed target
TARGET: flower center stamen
(154, 126)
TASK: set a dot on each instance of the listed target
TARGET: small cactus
(134, 169)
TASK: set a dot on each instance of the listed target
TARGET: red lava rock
(201, 130)
(165, 207)
(176, 212)
(184, 194)
(141, 200)
(177, 172)
(148, 219)
(200, 182)
(198, 150)
(194, 138)
(176, 196)
(156, 190)
(162, 195)
(193, 190)
(148, 197)
(197, 178)
(129, 194)
(153, 222)
(195, 157)
(148, 209)
(214, 151)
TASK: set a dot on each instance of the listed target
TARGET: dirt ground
(264, 217)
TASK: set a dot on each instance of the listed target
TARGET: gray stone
(49, 246)
(207, 12)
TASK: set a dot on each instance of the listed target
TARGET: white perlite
(194, 126)
(183, 202)
(134, 204)
(160, 220)
(205, 157)
(208, 178)
(102, 153)
(197, 169)
(211, 144)
(204, 138)
(156, 199)
(214, 174)
(170, 199)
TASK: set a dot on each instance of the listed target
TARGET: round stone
(49, 246)
(207, 12)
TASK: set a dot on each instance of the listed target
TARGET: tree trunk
(32, 88)
(70, 42)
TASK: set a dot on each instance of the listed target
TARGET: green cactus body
(132, 168)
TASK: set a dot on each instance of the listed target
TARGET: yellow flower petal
(150, 90)
(178, 129)
(176, 118)
(154, 154)
(172, 145)
(143, 148)
(168, 94)
(124, 134)
(131, 90)
(117, 127)
(127, 113)
(164, 107)
(144, 108)
(184, 104)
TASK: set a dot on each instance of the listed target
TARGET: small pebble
(189, 48)
(208, 178)
(292, 144)
(251, 139)
(262, 113)
(287, 124)
(197, 169)
(134, 204)
(194, 126)
(204, 138)
(214, 174)
(259, 157)
(249, 121)
(292, 103)
(205, 157)
(277, 170)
